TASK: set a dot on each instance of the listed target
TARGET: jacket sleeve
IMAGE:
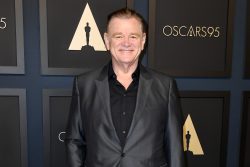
(74, 139)
(174, 131)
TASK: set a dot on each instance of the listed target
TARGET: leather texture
(155, 135)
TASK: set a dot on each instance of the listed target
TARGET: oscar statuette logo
(191, 31)
(191, 140)
(3, 23)
(87, 36)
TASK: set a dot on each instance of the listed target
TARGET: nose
(126, 42)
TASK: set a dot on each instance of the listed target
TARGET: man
(124, 114)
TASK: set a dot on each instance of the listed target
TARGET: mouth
(126, 50)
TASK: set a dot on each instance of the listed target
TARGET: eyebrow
(136, 34)
(119, 33)
(116, 33)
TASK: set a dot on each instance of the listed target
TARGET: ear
(106, 40)
(144, 36)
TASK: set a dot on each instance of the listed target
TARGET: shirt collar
(112, 75)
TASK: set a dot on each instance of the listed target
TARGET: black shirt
(122, 102)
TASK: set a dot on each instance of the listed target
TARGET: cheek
(107, 44)
(114, 45)
(142, 45)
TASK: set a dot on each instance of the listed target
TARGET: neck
(124, 69)
(124, 72)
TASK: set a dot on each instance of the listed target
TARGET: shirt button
(124, 132)
(124, 94)
(123, 113)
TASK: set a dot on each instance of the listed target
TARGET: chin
(127, 61)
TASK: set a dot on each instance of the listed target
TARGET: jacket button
(122, 154)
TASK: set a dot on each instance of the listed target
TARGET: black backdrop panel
(7, 33)
(10, 141)
(56, 109)
(66, 47)
(13, 151)
(206, 117)
(190, 38)
(245, 137)
(247, 69)
(11, 41)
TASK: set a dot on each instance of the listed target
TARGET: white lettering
(217, 32)
(167, 30)
(3, 23)
(191, 31)
(181, 32)
(60, 137)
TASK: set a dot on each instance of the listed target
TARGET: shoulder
(92, 74)
(157, 75)
(162, 83)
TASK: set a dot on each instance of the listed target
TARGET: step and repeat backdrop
(186, 39)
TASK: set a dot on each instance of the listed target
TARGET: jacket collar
(141, 71)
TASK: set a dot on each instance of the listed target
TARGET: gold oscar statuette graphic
(191, 141)
(87, 35)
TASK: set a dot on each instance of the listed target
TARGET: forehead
(118, 23)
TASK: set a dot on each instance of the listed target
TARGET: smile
(126, 50)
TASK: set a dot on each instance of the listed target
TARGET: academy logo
(87, 35)
(190, 138)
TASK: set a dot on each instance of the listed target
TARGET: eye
(118, 36)
(133, 36)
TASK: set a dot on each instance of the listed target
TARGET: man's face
(125, 40)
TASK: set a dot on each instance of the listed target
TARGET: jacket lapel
(142, 94)
(103, 91)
